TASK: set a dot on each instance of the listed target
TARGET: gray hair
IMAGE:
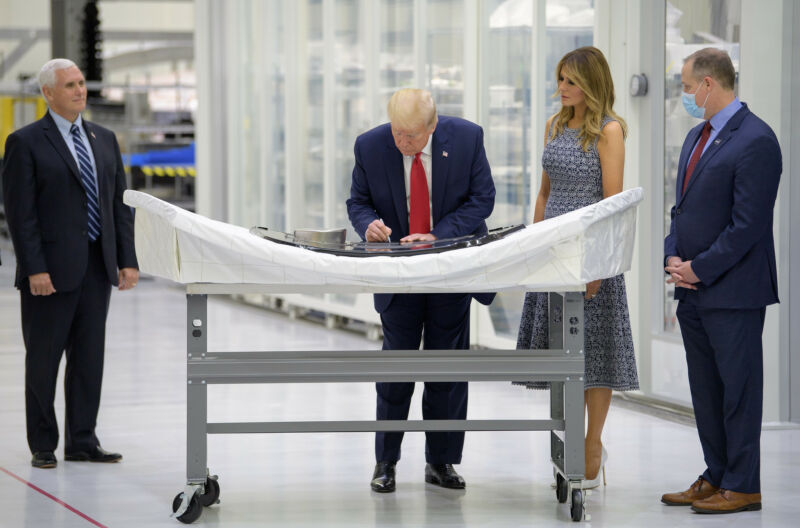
(714, 63)
(47, 75)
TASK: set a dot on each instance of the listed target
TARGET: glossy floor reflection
(323, 479)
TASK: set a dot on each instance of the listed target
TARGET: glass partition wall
(691, 25)
(254, 106)
(681, 28)
(511, 137)
(306, 77)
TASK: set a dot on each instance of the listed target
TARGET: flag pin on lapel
(717, 141)
(444, 153)
(93, 136)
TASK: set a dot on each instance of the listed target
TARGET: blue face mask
(691, 106)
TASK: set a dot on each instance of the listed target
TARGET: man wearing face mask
(720, 255)
(421, 177)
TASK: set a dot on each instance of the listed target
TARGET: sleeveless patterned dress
(575, 182)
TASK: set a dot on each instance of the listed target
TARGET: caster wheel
(211, 496)
(562, 488)
(576, 507)
(192, 513)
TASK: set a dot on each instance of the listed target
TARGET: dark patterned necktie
(697, 153)
(88, 183)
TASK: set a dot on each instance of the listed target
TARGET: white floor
(323, 479)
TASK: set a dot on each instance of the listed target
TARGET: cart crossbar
(384, 365)
(383, 425)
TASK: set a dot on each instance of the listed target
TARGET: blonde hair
(411, 107)
(588, 69)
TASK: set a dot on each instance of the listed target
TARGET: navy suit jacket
(462, 189)
(723, 221)
(47, 209)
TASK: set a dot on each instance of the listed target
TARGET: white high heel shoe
(595, 482)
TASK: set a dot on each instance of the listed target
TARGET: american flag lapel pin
(444, 153)
(717, 141)
(93, 136)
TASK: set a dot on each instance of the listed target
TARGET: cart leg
(573, 404)
(555, 318)
(557, 413)
(187, 506)
(197, 392)
(573, 431)
(196, 442)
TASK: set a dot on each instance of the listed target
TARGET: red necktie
(696, 154)
(419, 217)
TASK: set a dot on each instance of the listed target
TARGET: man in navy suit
(63, 182)
(421, 177)
(720, 255)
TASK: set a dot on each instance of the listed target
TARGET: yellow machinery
(8, 106)
(169, 170)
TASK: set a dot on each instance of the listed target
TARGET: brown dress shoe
(727, 501)
(701, 489)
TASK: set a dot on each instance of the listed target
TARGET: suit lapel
(724, 135)
(57, 140)
(688, 145)
(395, 175)
(710, 152)
(440, 167)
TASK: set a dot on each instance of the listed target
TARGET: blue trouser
(726, 377)
(445, 321)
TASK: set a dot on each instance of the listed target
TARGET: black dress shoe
(97, 455)
(383, 477)
(44, 460)
(444, 475)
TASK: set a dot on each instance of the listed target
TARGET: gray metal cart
(562, 365)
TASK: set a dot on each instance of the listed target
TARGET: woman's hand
(592, 288)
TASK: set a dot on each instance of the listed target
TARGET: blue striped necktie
(88, 183)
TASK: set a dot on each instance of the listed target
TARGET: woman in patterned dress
(582, 163)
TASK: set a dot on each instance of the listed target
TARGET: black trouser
(444, 320)
(74, 322)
